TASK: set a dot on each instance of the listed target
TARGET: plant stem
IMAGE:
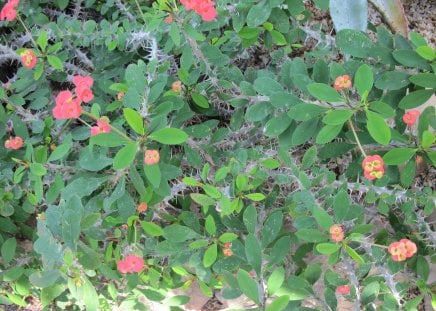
(28, 32)
(356, 138)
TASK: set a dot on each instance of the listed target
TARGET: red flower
(343, 289)
(83, 88)
(9, 11)
(14, 143)
(101, 127)
(410, 247)
(373, 167)
(67, 107)
(410, 117)
(189, 4)
(342, 82)
(28, 58)
(151, 157)
(81, 81)
(84, 94)
(336, 233)
(169, 19)
(398, 251)
(206, 10)
(130, 264)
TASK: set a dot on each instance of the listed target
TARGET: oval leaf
(169, 136)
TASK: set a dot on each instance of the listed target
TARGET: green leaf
(415, 99)
(125, 156)
(48, 294)
(198, 244)
(304, 112)
(210, 255)
(178, 233)
(370, 292)
(227, 237)
(271, 228)
(176, 301)
(353, 254)
(328, 133)
(323, 218)
(258, 14)
(408, 173)
(383, 109)
(311, 235)
(253, 252)
(424, 80)
(151, 228)
(409, 58)
(309, 158)
(200, 100)
(364, 79)
(134, 120)
(398, 155)
(423, 268)
(324, 92)
(37, 169)
(276, 280)
(426, 52)
(202, 199)
(327, 248)
(280, 250)
(267, 86)
(62, 149)
(135, 78)
(8, 250)
(278, 304)
(377, 128)
(210, 225)
(354, 42)
(212, 191)
(153, 174)
(55, 62)
(392, 80)
(169, 136)
(337, 117)
(247, 285)
(90, 296)
(255, 197)
(250, 218)
(175, 34)
(277, 125)
(44, 278)
(42, 40)
(428, 139)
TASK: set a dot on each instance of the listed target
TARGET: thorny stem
(28, 32)
(350, 123)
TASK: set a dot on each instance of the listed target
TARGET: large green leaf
(363, 80)
(337, 117)
(258, 13)
(135, 120)
(328, 133)
(169, 136)
(415, 99)
(377, 128)
(271, 228)
(398, 155)
(324, 92)
(253, 252)
(354, 42)
(125, 156)
(248, 286)
(210, 255)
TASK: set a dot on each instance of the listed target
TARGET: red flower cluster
(151, 157)
(342, 82)
(69, 107)
(227, 252)
(9, 11)
(402, 249)
(14, 143)
(336, 233)
(204, 8)
(343, 289)
(130, 264)
(101, 127)
(28, 58)
(373, 167)
(83, 88)
(410, 117)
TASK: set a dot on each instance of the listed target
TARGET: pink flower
(130, 264)
(151, 157)
(14, 143)
(63, 97)
(67, 107)
(28, 58)
(343, 289)
(206, 10)
(398, 251)
(342, 82)
(102, 127)
(189, 4)
(84, 94)
(373, 167)
(9, 12)
(410, 117)
(336, 233)
(85, 82)
(410, 247)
